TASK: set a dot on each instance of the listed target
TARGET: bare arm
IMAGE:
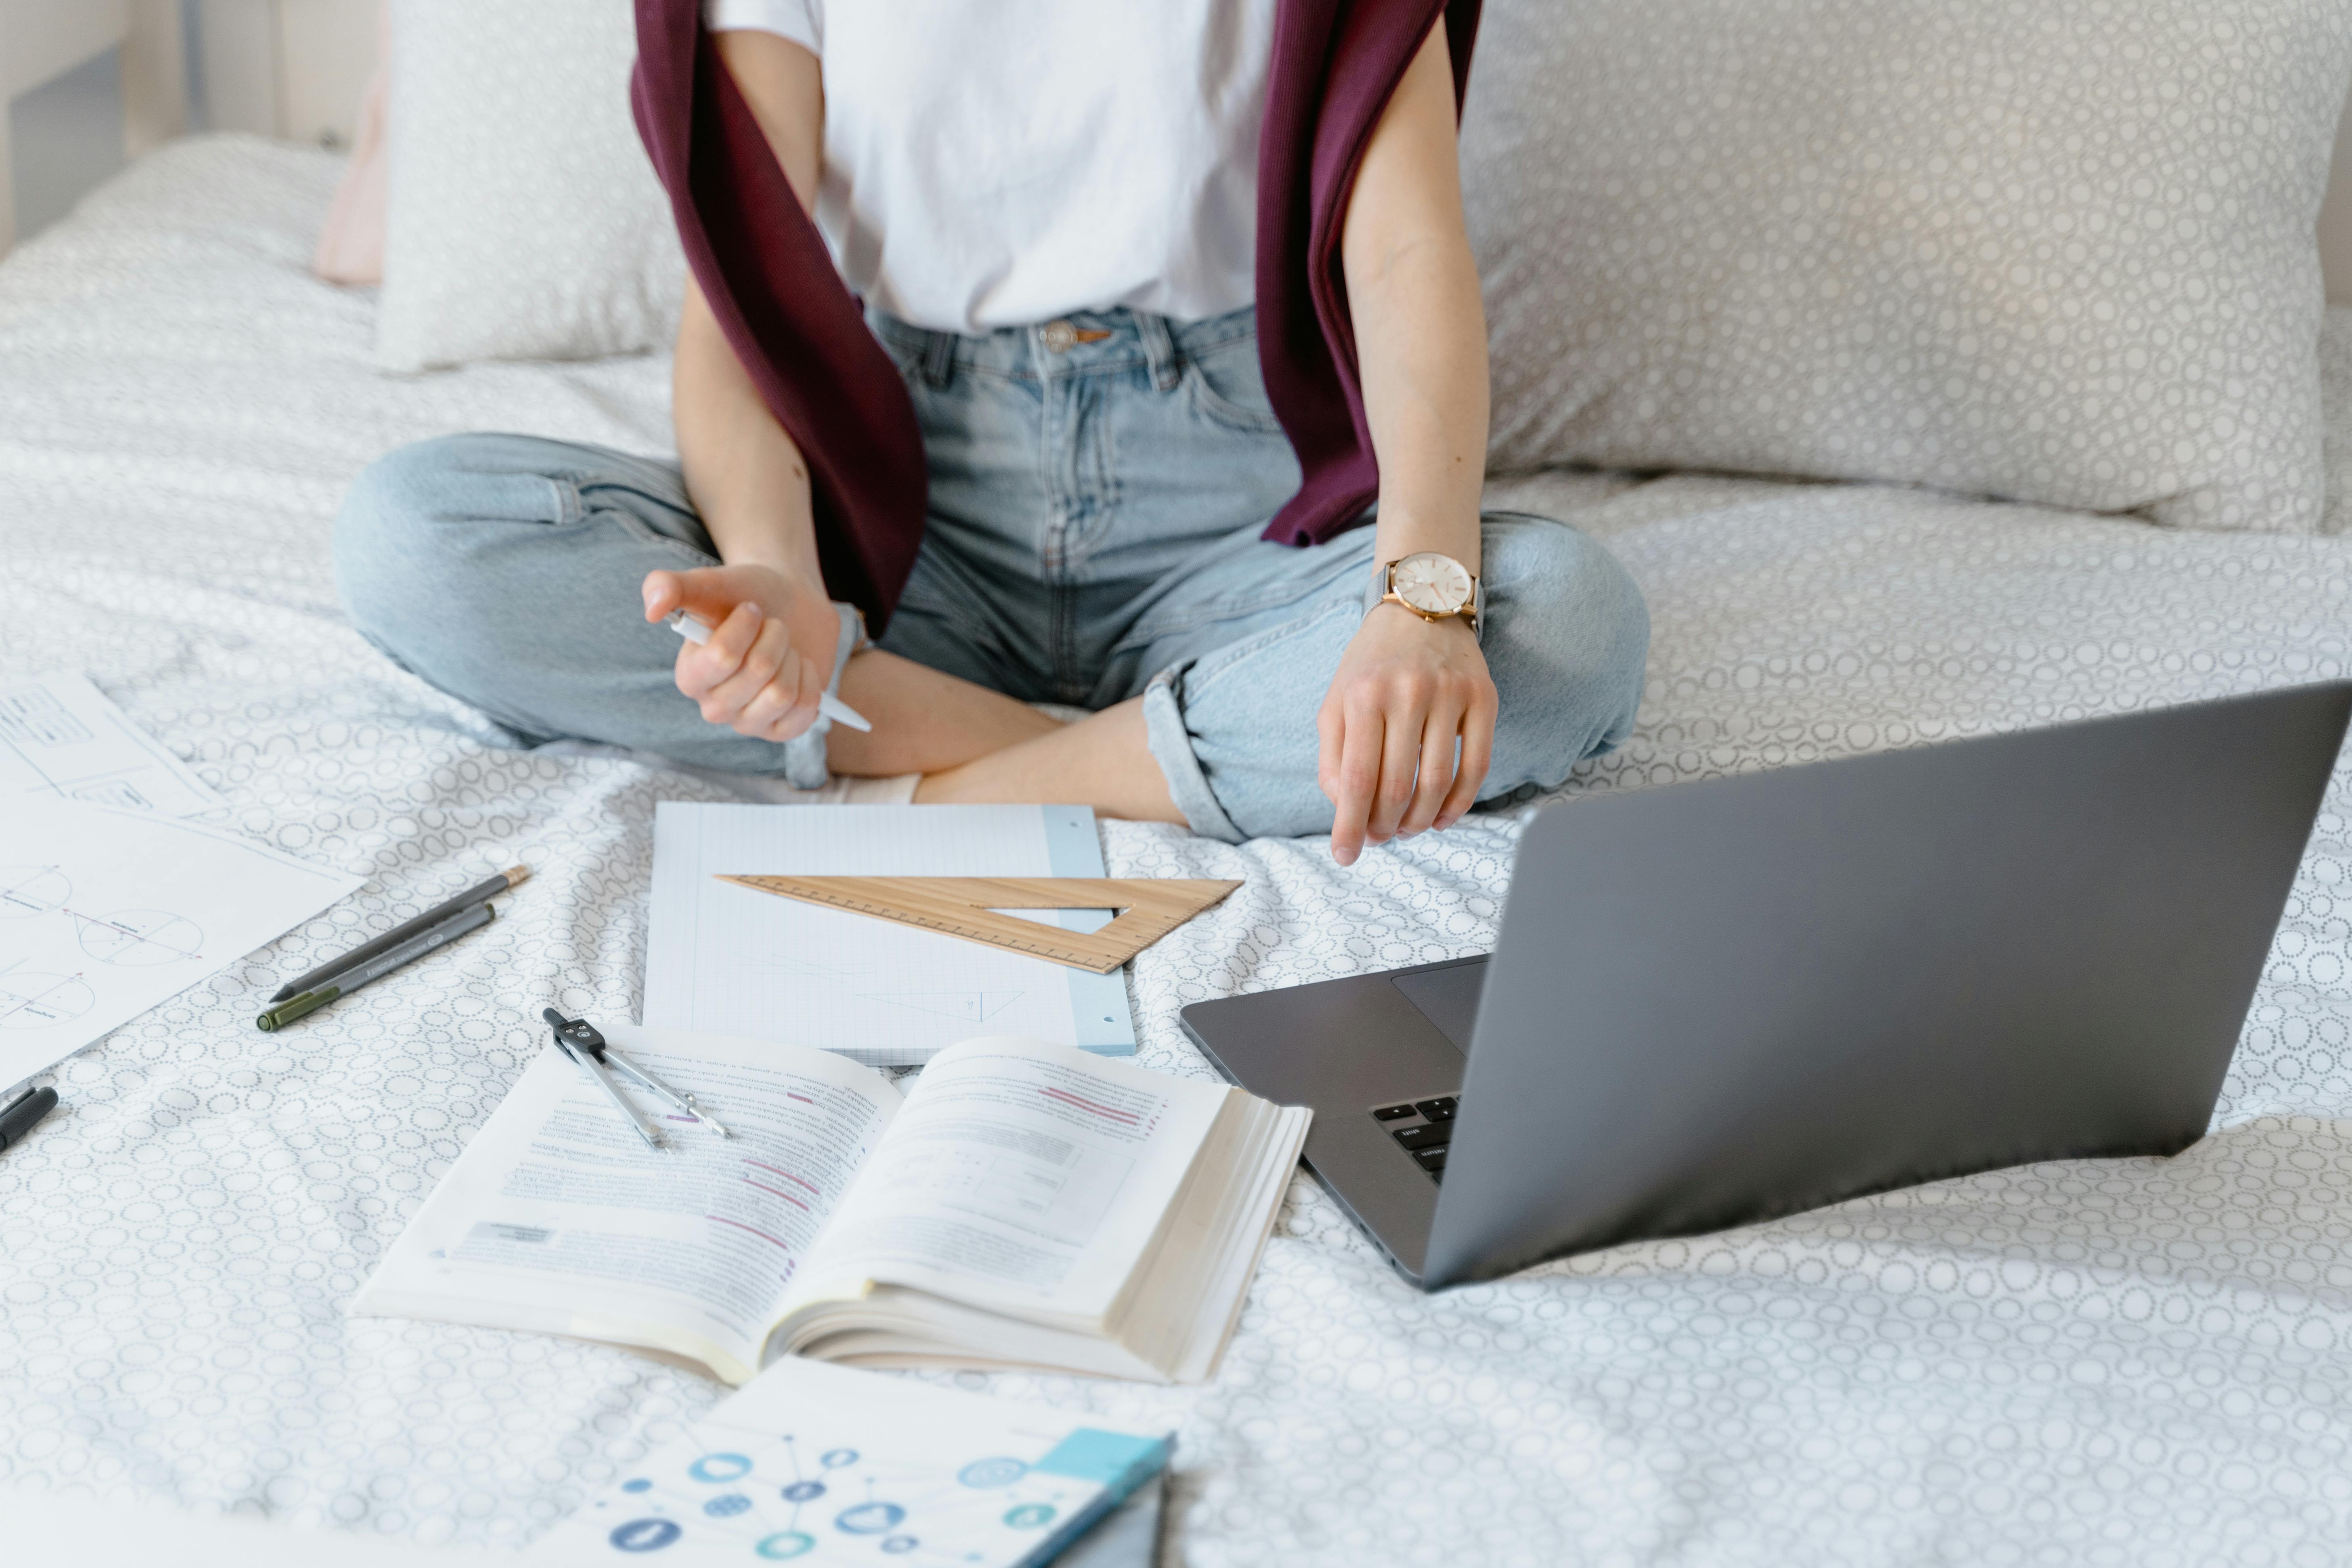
(1421, 326)
(1410, 693)
(742, 469)
(762, 673)
(764, 670)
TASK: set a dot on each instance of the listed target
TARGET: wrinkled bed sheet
(2133, 1362)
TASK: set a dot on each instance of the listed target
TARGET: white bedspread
(2134, 1362)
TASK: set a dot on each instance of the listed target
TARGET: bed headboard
(283, 68)
(43, 42)
(70, 70)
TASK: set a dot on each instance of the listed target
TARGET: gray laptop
(1717, 1002)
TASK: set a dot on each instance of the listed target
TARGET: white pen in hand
(695, 629)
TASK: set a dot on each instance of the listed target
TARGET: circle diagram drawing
(31, 1001)
(29, 890)
(140, 938)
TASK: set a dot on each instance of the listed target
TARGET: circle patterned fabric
(2059, 251)
(2132, 1362)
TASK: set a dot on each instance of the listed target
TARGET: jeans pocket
(1226, 389)
(691, 554)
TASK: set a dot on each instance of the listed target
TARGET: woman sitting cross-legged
(1169, 402)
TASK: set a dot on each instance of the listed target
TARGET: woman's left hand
(1409, 694)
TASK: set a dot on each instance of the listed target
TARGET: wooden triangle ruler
(1148, 908)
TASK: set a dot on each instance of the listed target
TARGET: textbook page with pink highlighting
(559, 1218)
(1025, 1203)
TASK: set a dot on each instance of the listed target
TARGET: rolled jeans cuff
(1171, 748)
(806, 764)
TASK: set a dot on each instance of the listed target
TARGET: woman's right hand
(770, 655)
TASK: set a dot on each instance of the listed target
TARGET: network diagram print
(32, 898)
(792, 1499)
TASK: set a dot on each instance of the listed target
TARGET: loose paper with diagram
(104, 913)
(1025, 1204)
(729, 959)
(59, 736)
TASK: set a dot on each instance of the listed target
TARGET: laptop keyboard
(1421, 1127)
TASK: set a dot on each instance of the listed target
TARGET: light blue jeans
(1097, 491)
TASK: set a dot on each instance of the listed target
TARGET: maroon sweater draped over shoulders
(801, 335)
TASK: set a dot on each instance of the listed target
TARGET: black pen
(17, 1117)
(315, 980)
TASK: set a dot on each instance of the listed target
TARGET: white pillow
(2055, 250)
(523, 220)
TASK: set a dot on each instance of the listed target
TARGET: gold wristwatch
(1433, 586)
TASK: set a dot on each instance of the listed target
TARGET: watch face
(1433, 583)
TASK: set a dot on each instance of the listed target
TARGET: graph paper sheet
(727, 959)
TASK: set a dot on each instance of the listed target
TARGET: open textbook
(726, 960)
(1024, 1205)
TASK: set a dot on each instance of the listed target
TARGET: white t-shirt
(1001, 163)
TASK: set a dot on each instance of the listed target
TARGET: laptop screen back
(1722, 1002)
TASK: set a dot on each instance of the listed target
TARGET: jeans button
(1060, 336)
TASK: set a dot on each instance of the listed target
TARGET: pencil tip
(517, 876)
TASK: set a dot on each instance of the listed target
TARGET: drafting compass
(578, 1039)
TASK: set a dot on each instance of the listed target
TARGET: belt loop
(1159, 350)
(938, 358)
